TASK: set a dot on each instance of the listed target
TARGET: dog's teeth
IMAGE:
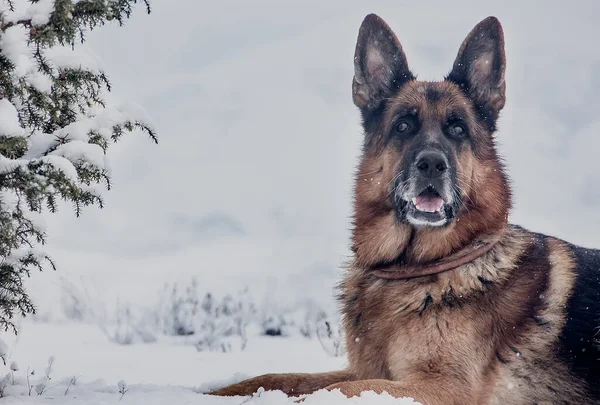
(426, 207)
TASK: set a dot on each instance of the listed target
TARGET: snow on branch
(56, 125)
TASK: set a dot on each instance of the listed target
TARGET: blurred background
(244, 206)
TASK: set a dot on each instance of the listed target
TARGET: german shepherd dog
(444, 301)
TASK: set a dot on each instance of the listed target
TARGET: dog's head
(429, 161)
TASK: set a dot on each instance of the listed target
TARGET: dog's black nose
(431, 164)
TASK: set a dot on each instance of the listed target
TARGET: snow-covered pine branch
(56, 124)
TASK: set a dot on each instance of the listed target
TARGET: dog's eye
(403, 127)
(456, 130)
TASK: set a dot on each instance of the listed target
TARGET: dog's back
(515, 326)
(580, 344)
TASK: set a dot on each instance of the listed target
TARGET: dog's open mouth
(428, 201)
(428, 208)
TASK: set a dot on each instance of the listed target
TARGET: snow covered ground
(156, 373)
(152, 395)
(250, 186)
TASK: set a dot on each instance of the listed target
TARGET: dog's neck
(384, 242)
(398, 270)
(378, 237)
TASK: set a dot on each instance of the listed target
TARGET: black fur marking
(542, 322)
(352, 299)
(426, 302)
(528, 380)
(450, 299)
(501, 359)
(578, 346)
(486, 283)
(530, 281)
(372, 119)
(357, 319)
(487, 115)
(432, 94)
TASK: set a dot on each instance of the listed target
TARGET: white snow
(62, 164)
(13, 43)
(153, 395)
(157, 373)
(8, 165)
(40, 11)
(102, 122)
(4, 350)
(76, 150)
(9, 119)
(63, 57)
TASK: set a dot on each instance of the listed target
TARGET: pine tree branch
(31, 183)
(25, 23)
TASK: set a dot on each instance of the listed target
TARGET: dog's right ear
(380, 66)
(479, 69)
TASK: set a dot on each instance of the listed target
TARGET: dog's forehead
(436, 100)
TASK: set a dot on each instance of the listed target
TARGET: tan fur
(382, 239)
(292, 384)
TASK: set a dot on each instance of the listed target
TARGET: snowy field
(246, 200)
(86, 368)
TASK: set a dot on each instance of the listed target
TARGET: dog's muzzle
(425, 198)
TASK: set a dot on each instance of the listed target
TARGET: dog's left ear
(479, 68)
(380, 66)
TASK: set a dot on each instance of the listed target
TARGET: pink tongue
(429, 203)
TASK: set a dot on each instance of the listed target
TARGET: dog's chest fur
(485, 323)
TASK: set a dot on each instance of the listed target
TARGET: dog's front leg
(434, 392)
(291, 384)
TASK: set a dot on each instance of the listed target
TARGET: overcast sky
(251, 181)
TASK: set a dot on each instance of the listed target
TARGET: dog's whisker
(459, 195)
(396, 177)
(400, 186)
(361, 174)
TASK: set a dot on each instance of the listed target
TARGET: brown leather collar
(464, 256)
